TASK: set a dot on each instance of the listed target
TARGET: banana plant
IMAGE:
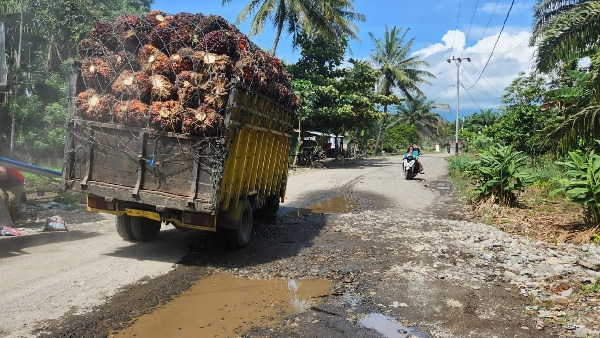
(499, 172)
(582, 183)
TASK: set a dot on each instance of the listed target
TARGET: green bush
(460, 163)
(499, 172)
(582, 182)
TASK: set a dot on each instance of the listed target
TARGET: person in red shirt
(11, 186)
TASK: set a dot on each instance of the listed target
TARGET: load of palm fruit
(173, 72)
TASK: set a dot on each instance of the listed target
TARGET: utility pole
(457, 61)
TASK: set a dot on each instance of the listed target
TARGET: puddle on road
(443, 186)
(225, 306)
(334, 205)
(389, 327)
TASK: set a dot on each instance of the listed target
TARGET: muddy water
(224, 306)
(333, 205)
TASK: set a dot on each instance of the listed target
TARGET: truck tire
(145, 229)
(124, 230)
(240, 237)
(272, 206)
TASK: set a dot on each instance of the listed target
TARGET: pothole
(390, 327)
(222, 305)
(334, 205)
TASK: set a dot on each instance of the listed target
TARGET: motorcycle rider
(414, 152)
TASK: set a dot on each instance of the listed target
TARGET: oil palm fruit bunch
(165, 116)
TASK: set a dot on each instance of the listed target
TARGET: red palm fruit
(153, 18)
(188, 89)
(97, 73)
(217, 64)
(104, 32)
(213, 123)
(131, 85)
(132, 40)
(82, 102)
(160, 36)
(161, 89)
(295, 102)
(246, 68)
(197, 58)
(176, 65)
(165, 116)
(216, 90)
(195, 121)
(183, 19)
(152, 59)
(182, 37)
(94, 107)
(128, 22)
(91, 48)
(219, 42)
(212, 23)
(131, 113)
(125, 60)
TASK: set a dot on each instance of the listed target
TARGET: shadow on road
(13, 246)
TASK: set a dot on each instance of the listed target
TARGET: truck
(147, 176)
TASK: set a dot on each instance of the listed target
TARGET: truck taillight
(100, 203)
(195, 218)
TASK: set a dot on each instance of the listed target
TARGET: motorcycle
(410, 168)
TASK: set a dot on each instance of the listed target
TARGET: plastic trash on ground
(55, 223)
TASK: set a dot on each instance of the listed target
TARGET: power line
(496, 43)
(484, 91)
(456, 27)
(490, 20)
(442, 92)
(471, 24)
(446, 70)
(470, 96)
(486, 81)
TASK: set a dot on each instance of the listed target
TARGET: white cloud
(454, 40)
(511, 56)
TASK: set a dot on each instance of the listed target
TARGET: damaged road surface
(357, 251)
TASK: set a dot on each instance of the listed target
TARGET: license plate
(143, 213)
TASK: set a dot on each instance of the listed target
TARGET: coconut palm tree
(419, 113)
(399, 70)
(563, 32)
(329, 18)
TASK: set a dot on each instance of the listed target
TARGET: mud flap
(231, 218)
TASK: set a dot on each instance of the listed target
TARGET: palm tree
(419, 113)
(329, 18)
(565, 31)
(399, 70)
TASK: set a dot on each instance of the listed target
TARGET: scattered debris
(8, 231)
(55, 223)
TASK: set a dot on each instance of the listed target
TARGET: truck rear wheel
(272, 206)
(240, 237)
(145, 229)
(124, 230)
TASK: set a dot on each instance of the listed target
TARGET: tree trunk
(282, 10)
(356, 141)
(381, 129)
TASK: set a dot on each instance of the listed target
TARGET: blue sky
(441, 28)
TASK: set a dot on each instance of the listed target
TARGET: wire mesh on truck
(160, 77)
